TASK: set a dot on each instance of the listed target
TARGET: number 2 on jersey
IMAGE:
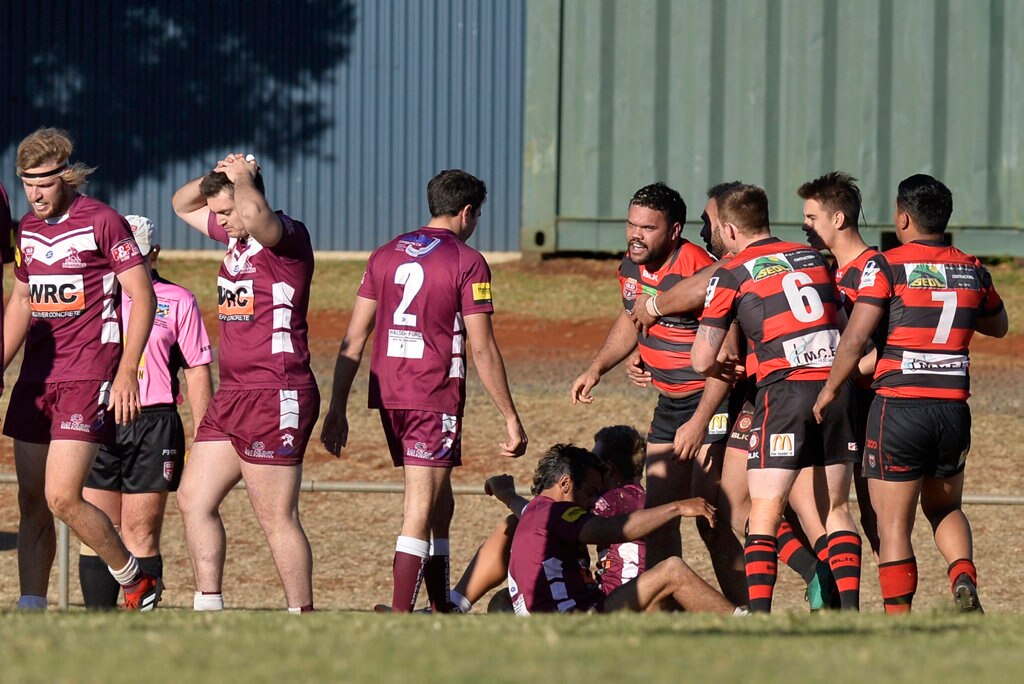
(410, 276)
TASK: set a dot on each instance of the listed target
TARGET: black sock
(99, 588)
(152, 565)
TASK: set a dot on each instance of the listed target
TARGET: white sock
(413, 546)
(201, 601)
(460, 601)
(128, 574)
(30, 602)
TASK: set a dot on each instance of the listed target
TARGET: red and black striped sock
(899, 584)
(794, 554)
(821, 548)
(962, 566)
(760, 555)
(844, 553)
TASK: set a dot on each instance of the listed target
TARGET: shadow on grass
(8, 541)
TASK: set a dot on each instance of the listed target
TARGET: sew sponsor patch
(719, 424)
(163, 309)
(768, 266)
(868, 275)
(930, 276)
(780, 445)
(417, 245)
(56, 296)
(914, 363)
(813, 350)
(573, 514)
(481, 293)
(710, 294)
(124, 251)
(236, 300)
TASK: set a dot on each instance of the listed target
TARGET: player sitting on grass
(549, 562)
(621, 449)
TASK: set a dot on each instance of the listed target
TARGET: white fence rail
(64, 536)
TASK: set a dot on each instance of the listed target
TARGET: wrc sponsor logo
(235, 300)
(719, 424)
(767, 266)
(780, 445)
(929, 276)
(56, 296)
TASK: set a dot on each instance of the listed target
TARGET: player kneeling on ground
(549, 564)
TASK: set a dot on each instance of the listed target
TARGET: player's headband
(45, 174)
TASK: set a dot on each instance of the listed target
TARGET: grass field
(180, 646)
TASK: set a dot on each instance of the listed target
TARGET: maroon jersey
(549, 569)
(424, 283)
(665, 349)
(848, 278)
(70, 265)
(786, 302)
(934, 295)
(262, 300)
(620, 563)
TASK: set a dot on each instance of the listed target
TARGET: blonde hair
(52, 145)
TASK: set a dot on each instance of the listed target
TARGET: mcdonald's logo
(719, 424)
(781, 444)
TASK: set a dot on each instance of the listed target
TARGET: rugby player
(832, 209)
(784, 300)
(77, 376)
(130, 480)
(425, 292)
(922, 301)
(621, 450)
(657, 258)
(549, 563)
(259, 421)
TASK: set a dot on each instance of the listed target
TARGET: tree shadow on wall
(141, 84)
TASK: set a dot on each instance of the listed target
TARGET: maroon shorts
(266, 426)
(423, 438)
(43, 411)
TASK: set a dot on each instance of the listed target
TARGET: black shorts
(785, 434)
(908, 439)
(739, 438)
(671, 413)
(148, 456)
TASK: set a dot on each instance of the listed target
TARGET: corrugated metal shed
(625, 92)
(351, 105)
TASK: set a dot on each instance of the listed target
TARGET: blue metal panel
(357, 105)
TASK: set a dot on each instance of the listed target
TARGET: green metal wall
(620, 93)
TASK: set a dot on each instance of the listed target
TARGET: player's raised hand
(581, 386)
(689, 439)
(334, 434)
(500, 486)
(697, 508)
(234, 166)
(517, 439)
(825, 397)
(637, 371)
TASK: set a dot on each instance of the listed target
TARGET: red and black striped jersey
(785, 301)
(665, 349)
(934, 295)
(848, 278)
